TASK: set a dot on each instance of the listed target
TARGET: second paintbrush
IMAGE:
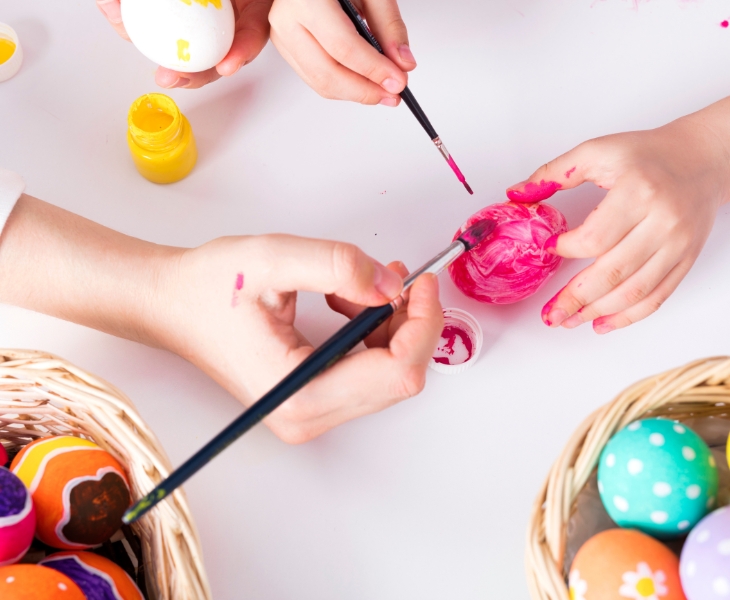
(406, 95)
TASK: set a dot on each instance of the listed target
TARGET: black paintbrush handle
(406, 94)
(322, 358)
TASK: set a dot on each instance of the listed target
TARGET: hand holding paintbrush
(323, 358)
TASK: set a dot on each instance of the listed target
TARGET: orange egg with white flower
(621, 564)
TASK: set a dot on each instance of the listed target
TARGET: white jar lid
(460, 343)
(11, 66)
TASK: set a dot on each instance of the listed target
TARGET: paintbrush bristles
(477, 233)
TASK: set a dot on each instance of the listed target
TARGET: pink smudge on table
(569, 173)
(512, 264)
(238, 286)
(455, 346)
(725, 24)
(534, 192)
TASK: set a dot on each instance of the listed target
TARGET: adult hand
(321, 44)
(252, 33)
(665, 185)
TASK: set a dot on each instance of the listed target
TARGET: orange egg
(623, 563)
(80, 491)
(33, 582)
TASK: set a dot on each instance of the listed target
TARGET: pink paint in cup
(460, 343)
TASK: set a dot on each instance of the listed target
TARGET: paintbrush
(406, 94)
(322, 358)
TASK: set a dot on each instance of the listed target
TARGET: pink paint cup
(460, 343)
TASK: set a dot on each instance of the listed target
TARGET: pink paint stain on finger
(533, 192)
(569, 173)
(237, 287)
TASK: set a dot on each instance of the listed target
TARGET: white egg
(183, 35)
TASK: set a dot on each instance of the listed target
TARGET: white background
(429, 499)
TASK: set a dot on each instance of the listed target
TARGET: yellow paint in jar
(160, 139)
(7, 49)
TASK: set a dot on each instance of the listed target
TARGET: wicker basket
(43, 395)
(699, 389)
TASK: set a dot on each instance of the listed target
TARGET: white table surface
(428, 499)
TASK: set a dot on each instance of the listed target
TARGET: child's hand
(321, 44)
(252, 33)
(230, 310)
(665, 188)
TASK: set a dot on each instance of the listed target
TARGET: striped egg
(98, 577)
(80, 491)
(28, 582)
(17, 518)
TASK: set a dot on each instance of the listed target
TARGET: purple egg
(704, 566)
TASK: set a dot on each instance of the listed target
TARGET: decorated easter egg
(17, 518)
(80, 491)
(33, 582)
(183, 35)
(98, 577)
(705, 562)
(511, 264)
(623, 563)
(657, 476)
(3, 456)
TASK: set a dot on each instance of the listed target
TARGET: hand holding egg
(194, 41)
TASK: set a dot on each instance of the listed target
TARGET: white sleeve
(11, 187)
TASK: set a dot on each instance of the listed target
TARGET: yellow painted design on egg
(216, 3)
(183, 50)
(32, 464)
(7, 49)
(645, 587)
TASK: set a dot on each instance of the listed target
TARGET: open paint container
(11, 54)
(460, 343)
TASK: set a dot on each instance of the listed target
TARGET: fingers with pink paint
(665, 186)
(320, 43)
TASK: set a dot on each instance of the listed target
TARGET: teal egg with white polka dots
(657, 476)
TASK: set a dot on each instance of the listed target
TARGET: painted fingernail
(551, 244)
(404, 51)
(603, 327)
(573, 321)
(547, 308)
(528, 192)
(556, 317)
(111, 9)
(392, 86)
(389, 102)
(388, 283)
(178, 83)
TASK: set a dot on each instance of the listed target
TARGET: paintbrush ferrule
(441, 148)
(437, 264)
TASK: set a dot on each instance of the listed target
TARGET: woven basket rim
(699, 388)
(48, 395)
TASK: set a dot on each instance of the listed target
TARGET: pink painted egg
(511, 264)
(17, 518)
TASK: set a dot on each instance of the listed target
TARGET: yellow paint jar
(160, 139)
